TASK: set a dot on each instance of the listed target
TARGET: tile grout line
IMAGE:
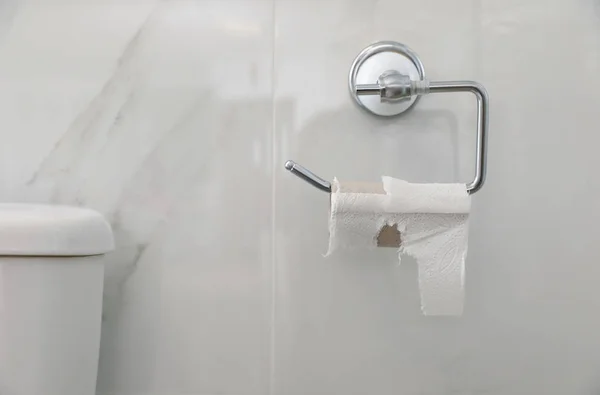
(273, 276)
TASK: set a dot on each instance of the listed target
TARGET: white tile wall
(174, 118)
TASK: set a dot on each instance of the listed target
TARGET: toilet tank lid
(45, 230)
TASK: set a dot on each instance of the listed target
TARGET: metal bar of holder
(397, 88)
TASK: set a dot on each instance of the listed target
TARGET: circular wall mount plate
(373, 61)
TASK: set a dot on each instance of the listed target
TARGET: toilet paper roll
(388, 235)
(429, 223)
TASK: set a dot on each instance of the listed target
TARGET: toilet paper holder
(400, 81)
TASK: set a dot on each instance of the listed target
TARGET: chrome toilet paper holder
(400, 81)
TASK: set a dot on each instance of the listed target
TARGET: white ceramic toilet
(51, 281)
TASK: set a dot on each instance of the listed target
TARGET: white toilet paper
(433, 224)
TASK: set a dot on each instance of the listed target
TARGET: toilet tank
(51, 282)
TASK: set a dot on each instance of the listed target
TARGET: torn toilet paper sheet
(433, 223)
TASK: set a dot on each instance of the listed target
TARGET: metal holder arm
(401, 92)
(482, 124)
(308, 176)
